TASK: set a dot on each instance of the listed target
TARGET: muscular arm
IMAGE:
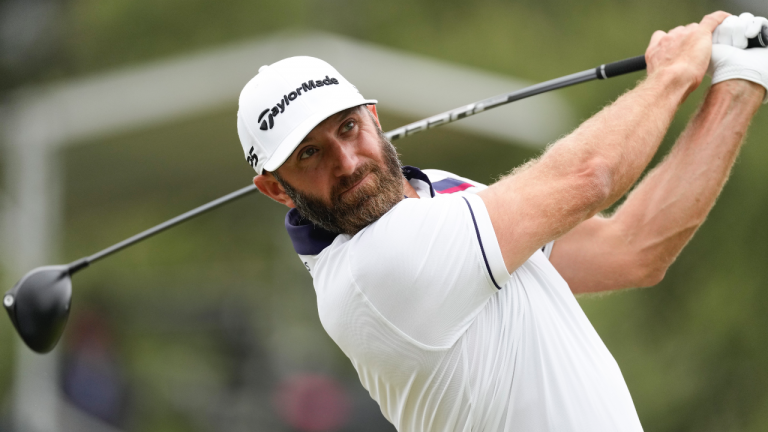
(635, 246)
(591, 168)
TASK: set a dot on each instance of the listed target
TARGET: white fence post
(31, 213)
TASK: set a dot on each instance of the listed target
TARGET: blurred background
(118, 115)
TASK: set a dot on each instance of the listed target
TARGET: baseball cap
(284, 102)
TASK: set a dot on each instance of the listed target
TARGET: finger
(751, 25)
(746, 17)
(726, 30)
(711, 21)
(657, 35)
(716, 35)
(677, 29)
(738, 39)
(755, 26)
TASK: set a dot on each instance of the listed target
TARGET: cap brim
(294, 138)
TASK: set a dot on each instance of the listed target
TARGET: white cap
(284, 102)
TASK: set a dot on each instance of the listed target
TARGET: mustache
(347, 182)
(360, 207)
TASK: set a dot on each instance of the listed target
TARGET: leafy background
(206, 320)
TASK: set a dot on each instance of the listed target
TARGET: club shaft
(170, 223)
(601, 72)
(604, 71)
(486, 104)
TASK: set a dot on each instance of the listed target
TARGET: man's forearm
(595, 165)
(625, 135)
(667, 207)
(584, 172)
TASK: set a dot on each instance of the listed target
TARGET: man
(453, 300)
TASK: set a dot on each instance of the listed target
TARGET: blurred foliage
(221, 305)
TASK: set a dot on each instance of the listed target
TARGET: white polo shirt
(443, 337)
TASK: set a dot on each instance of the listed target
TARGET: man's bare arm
(635, 246)
(594, 166)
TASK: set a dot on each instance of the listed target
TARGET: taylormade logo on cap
(284, 102)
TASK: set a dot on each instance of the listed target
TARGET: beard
(358, 208)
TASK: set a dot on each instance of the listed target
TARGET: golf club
(39, 303)
(601, 72)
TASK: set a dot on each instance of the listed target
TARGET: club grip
(621, 67)
(761, 40)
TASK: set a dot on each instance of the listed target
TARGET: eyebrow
(339, 114)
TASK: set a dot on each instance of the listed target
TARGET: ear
(372, 109)
(268, 185)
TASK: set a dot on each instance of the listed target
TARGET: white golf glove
(735, 31)
(729, 58)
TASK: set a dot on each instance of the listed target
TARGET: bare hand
(685, 51)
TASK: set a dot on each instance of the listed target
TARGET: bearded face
(354, 210)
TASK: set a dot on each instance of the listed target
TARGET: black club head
(39, 306)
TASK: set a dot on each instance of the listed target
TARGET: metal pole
(31, 214)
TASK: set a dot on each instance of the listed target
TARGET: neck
(409, 191)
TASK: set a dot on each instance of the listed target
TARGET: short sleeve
(547, 248)
(429, 266)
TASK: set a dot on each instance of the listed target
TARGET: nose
(345, 158)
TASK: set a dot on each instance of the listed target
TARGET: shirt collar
(419, 181)
(309, 239)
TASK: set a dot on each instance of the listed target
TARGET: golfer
(455, 301)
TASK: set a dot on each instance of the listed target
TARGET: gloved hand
(729, 63)
(735, 31)
(729, 58)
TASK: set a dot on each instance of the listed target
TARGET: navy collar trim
(414, 173)
(309, 239)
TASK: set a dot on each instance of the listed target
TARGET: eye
(307, 152)
(348, 126)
